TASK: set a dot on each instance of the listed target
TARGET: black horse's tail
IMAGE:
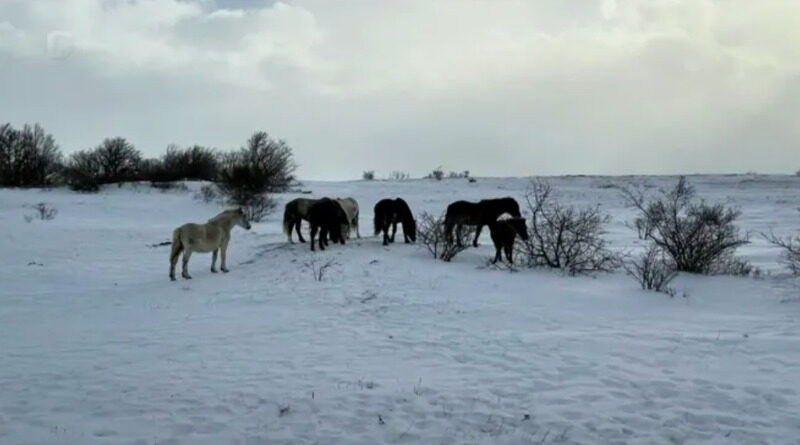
(288, 219)
(377, 221)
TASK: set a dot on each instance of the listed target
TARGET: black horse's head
(519, 226)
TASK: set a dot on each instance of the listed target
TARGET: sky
(500, 87)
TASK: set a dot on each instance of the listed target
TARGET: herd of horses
(333, 220)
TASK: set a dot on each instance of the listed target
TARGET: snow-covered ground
(98, 346)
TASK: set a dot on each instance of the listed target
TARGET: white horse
(350, 207)
(212, 236)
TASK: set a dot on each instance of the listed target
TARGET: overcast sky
(497, 87)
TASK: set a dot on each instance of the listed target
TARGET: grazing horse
(294, 213)
(212, 236)
(388, 212)
(503, 232)
(481, 213)
(350, 207)
(327, 217)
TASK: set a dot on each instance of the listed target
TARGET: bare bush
(118, 159)
(195, 163)
(264, 165)
(44, 212)
(28, 157)
(431, 232)
(790, 256)
(694, 234)
(730, 264)
(208, 193)
(464, 174)
(564, 237)
(653, 270)
(257, 207)
(368, 175)
(82, 172)
(318, 269)
(398, 176)
(437, 174)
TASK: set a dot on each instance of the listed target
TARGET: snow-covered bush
(564, 237)
(652, 269)
(368, 175)
(264, 165)
(28, 157)
(431, 232)
(698, 236)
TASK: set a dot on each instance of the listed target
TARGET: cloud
(513, 87)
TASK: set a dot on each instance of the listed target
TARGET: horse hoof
(213, 270)
(187, 277)
(302, 241)
(172, 278)
(225, 271)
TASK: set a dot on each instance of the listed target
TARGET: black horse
(503, 232)
(390, 212)
(328, 218)
(481, 213)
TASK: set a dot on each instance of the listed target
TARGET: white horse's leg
(355, 221)
(172, 263)
(223, 251)
(214, 261)
(185, 271)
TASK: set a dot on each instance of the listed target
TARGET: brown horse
(481, 213)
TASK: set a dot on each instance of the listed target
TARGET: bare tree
(696, 235)
(28, 157)
(564, 237)
(431, 232)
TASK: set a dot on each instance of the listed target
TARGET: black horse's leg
(477, 234)
(394, 230)
(458, 235)
(323, 238)
(497, 254)
(509, 248)
(299, 234)
(314, 229)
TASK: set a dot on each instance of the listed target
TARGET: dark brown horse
(328, 218)
(481, 213)
(388, 212)
(503, 232)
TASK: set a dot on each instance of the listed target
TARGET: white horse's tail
(177, 245)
